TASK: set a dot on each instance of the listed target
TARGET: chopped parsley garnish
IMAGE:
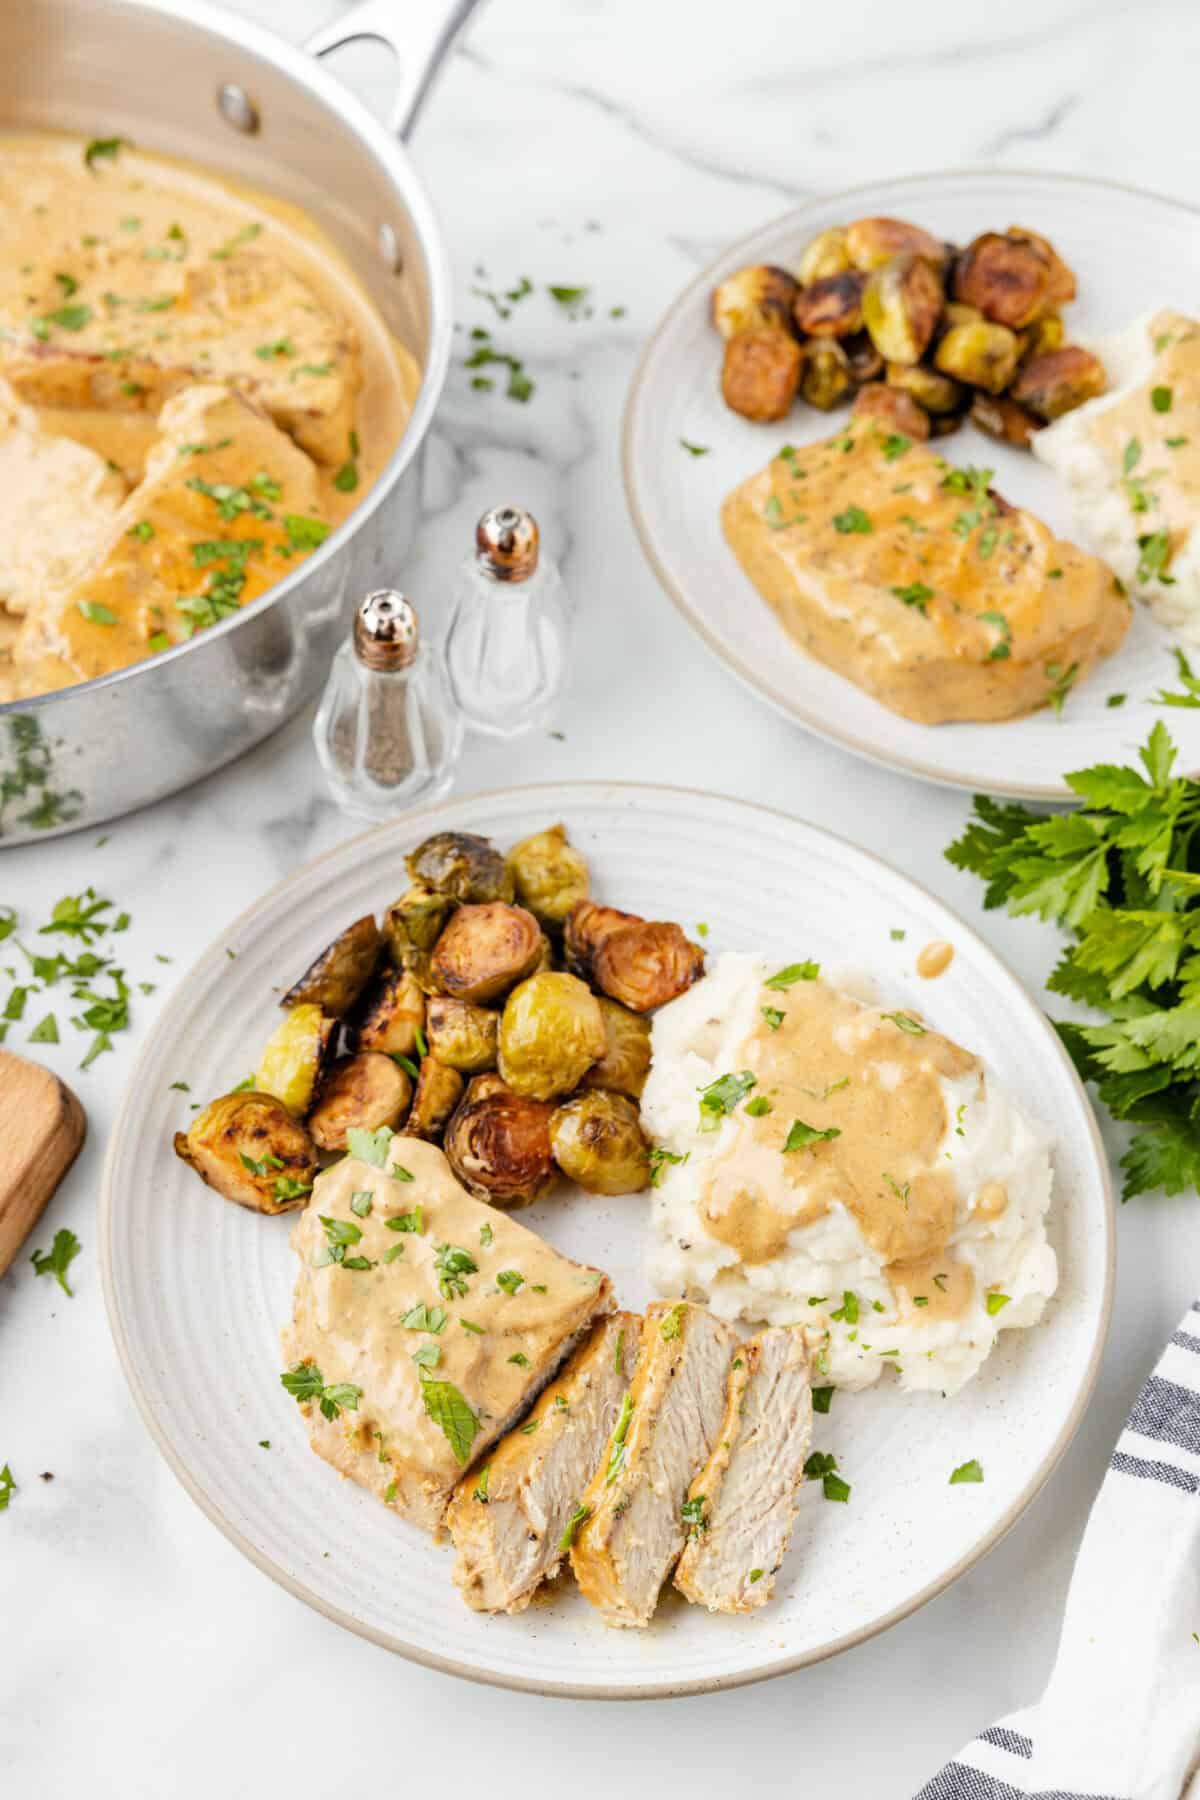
(848, 1310)
(659, 1161)
(822, 1467)
(616, 1447)
(901, 1191)
(428, 1356)
(425, 1318)
(672, 1324)
(1161, 399)
(800, 1135)
(968, 1471)
(996, 1303)
(789, 976)
(519, 1357)
(694, 1516)
(96, 613)
(1062, 680)
(305, 1382)
(371, 1146)
(510, 1280)
(694, 449)
(361, 1202)
(470, 1325)
(452, 1266)
(853, 520)
(822, 1399)
(280, 347)
(894, 445)
(143, 531)
(58, 1259)
(102, 150)
(1002, 648)
(8, 1487)
(721, 1096)
(449, 1410)
(409, 1221)
(773, 1016)
(246, 235)
(905, 1022)
(915, 594)
(1116, 700)
(481, 1485)
(1155, 558)
(758, 1107)
(572, 1526)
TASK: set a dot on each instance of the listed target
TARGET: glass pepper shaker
(386, 731)
(506, 643)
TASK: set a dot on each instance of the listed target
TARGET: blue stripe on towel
(1167, 1473)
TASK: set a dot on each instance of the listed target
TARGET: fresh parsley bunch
(1122, 874)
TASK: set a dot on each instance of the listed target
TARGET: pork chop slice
(425, 1324)
(632, 1532)
(513, 1523)
(227, 506)
(741, 1506)
(135, 332)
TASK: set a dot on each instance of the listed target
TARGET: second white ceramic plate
(1132, 252)
(197, 1289)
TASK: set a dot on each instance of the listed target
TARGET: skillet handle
(420, 33)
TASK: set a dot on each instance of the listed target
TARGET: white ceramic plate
(197, 1289)
(1132, 252)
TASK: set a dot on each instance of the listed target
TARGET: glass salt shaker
(387, 732)
(506, 643)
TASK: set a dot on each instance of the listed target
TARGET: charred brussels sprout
(587, 927)
(891, 409)
(549, 876)
(828, 376)
(982, 354)
(498, 1144)
(250, 1149)
(1062, 279)
(1043, 335)
(462, 1036)
(485, 950)
(626, 1061)
(1007, 280)
(761, 373)
(863, 358)
(551, 1033)
(826, 254)
(872, 242)
(293, 1057)
(365, 1091)
(932, 392)
(646, 965)
(461, 865)
(831, 307)
(439, 1090)
(391, 1014)
(415, 921)
(598, 1141)
(1002, 418)
(753, 299)
(1059, 381)
(341, 972)
(901, 305)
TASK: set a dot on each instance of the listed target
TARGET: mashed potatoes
(1132, 462)
(842, 1165)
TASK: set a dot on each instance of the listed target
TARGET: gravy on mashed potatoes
(194, 391)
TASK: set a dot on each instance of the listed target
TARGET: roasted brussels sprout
(932, 392)
(586, 929)
(753, 299)
(982, 354)
(626, 1061)
(341, 972)
(462, 865)
(549, 876)
(485, 950)
(761, 373)
(872, 242)
(827, 377)
(944, 424)
(826, 255)
(1043, 335)
(891, 409)
(1002, 418)
(364, 1091)
(390, 1014)
(1062, 279)
(864, 360)
(1009, 281)
(551, 1032)
(901, 304)
(293, 1057)
(439, 1090)
(598, 1141)
(957, 312)
(415, 921)
(498, 1143)
(460, 1035)
(646, 965)
(252, 1151)
(1059, 381)
(831, 307)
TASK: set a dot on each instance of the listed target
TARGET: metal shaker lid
(506, 543)
(387, 634)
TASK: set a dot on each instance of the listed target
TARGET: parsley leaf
(449, 1410)
(58, 1259)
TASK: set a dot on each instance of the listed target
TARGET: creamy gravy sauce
(853, 1070)
(1166, 471)
(112, 262)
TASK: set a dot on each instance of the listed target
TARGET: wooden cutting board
(42, 1128)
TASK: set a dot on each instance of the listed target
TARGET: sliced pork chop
(228, 504)
(513, 1523)
(741, 1505)
(135, 332)
(425, 1321)
(632, 1531)
(56, 501)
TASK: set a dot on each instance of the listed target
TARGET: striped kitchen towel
(1120, 1719)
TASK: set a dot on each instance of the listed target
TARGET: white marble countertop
(618, 145)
